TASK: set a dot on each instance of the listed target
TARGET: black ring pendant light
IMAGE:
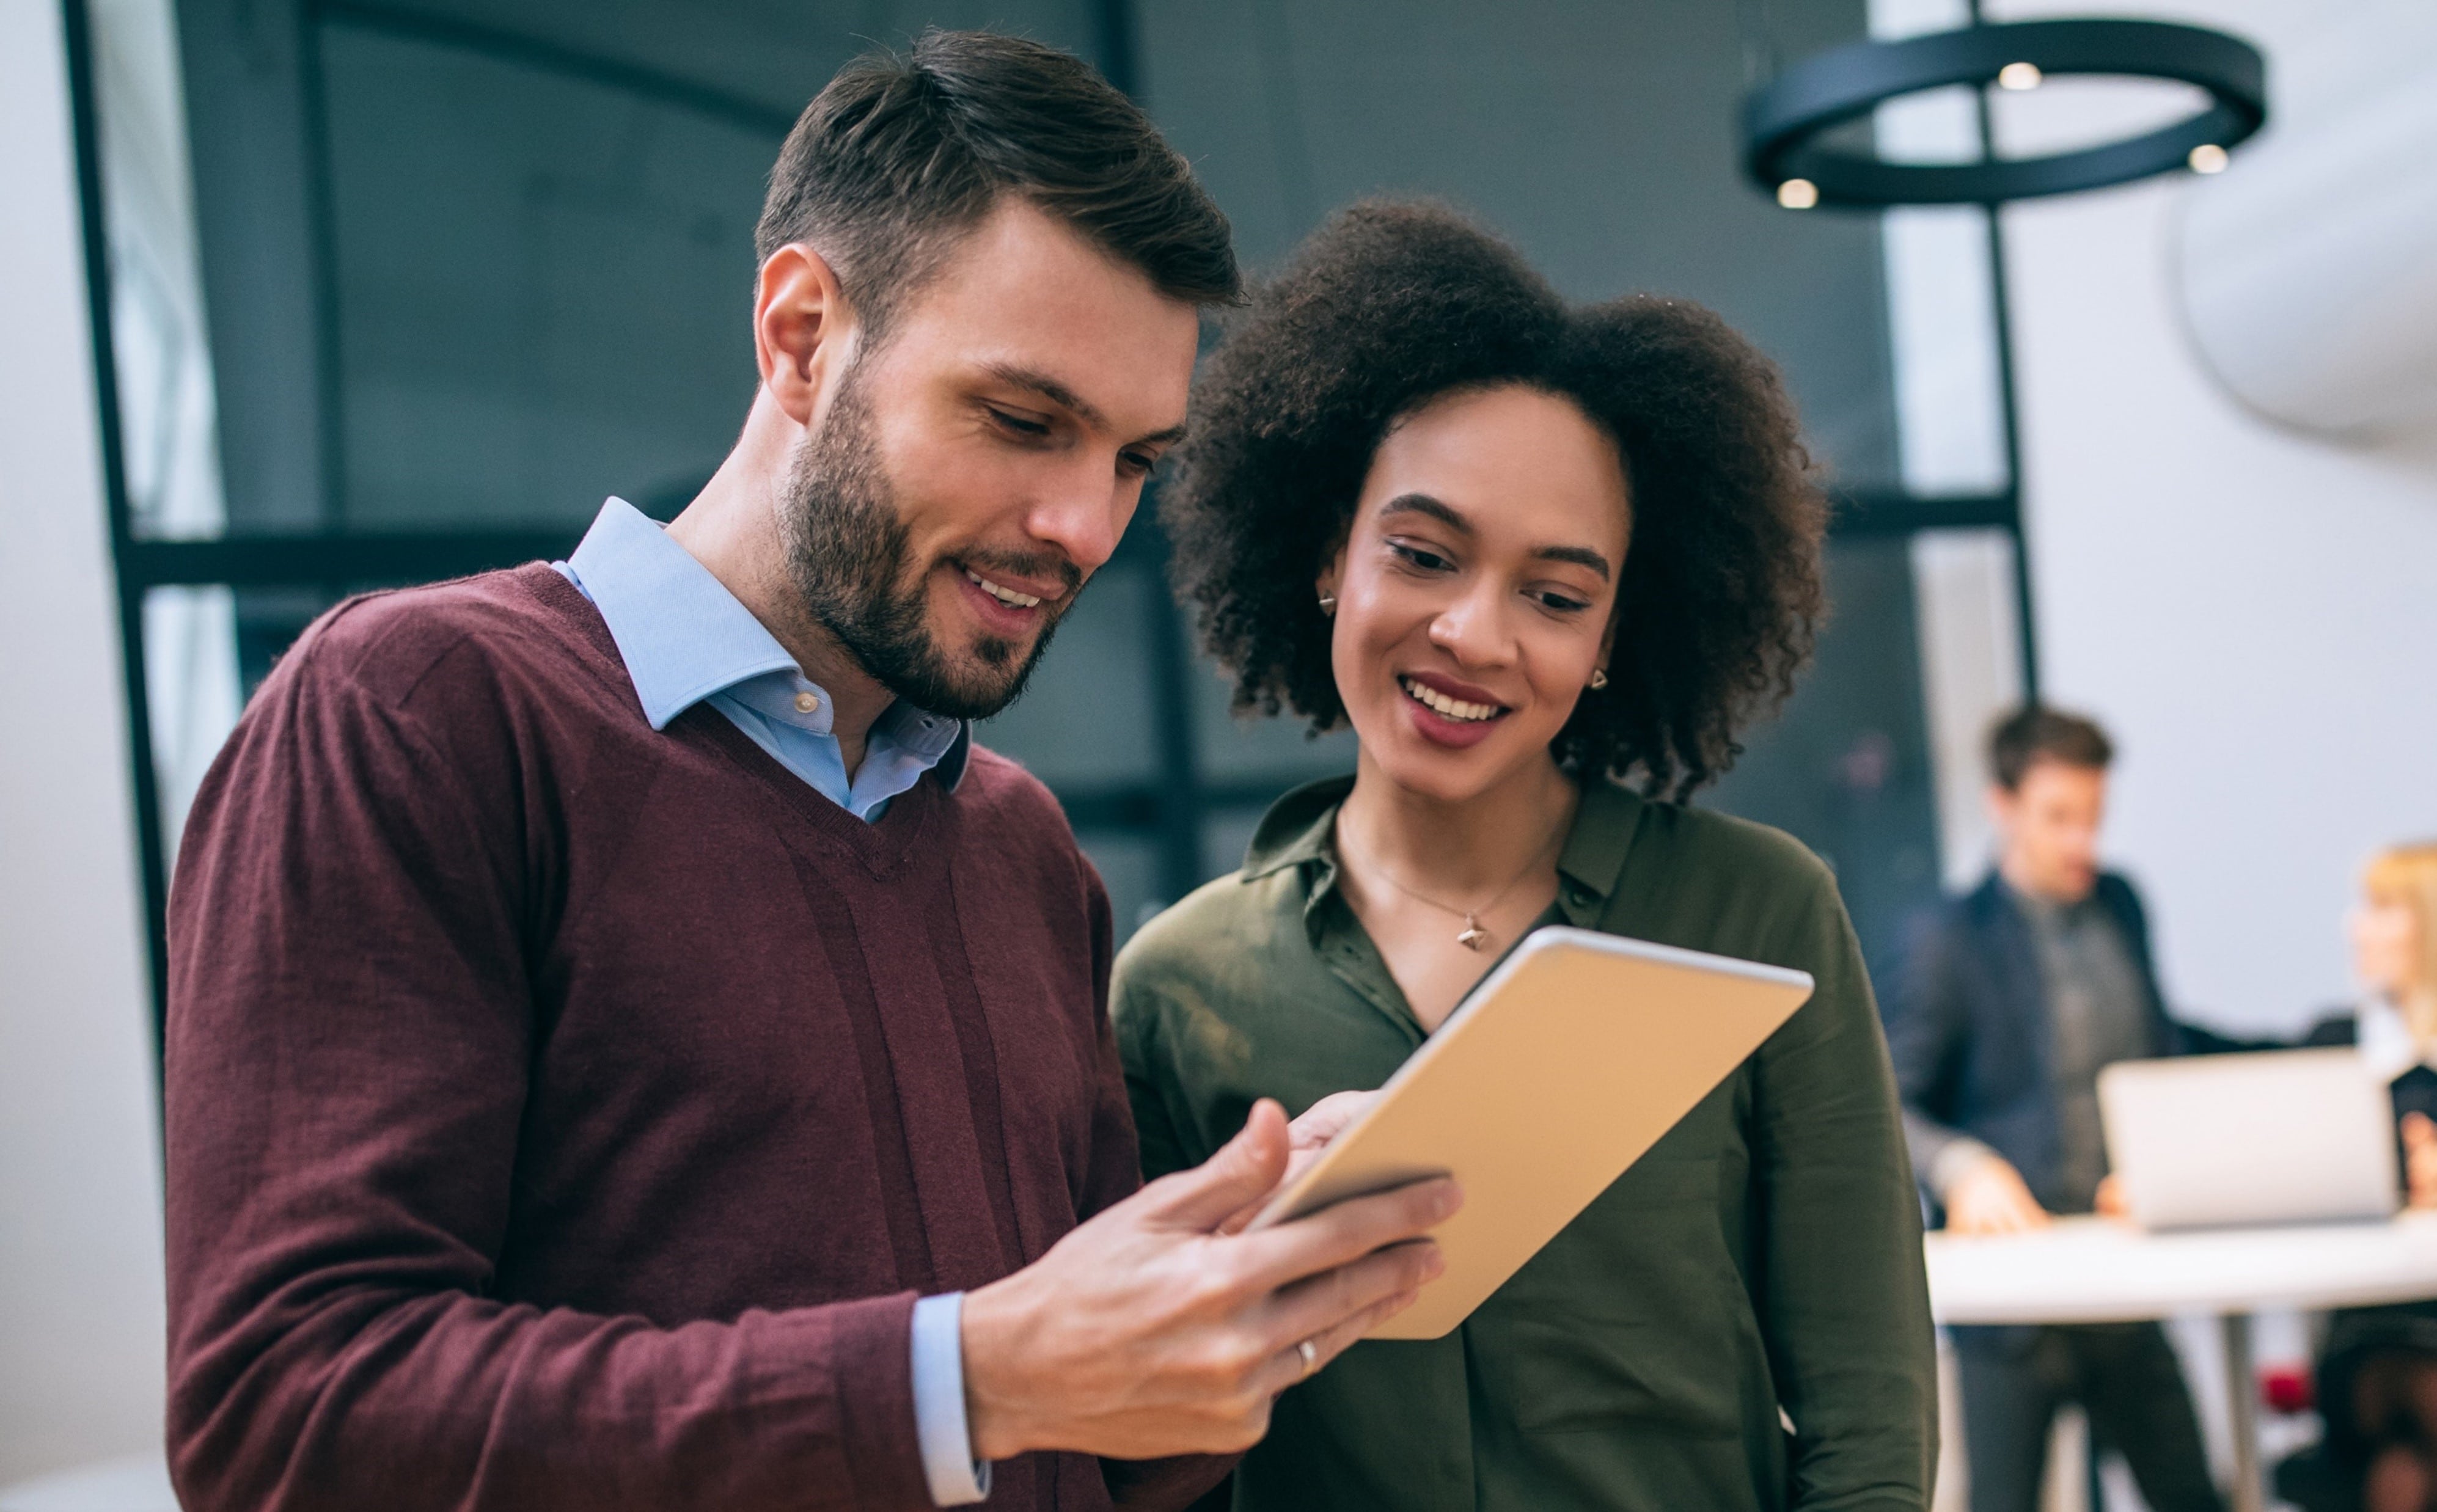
(1784, 118)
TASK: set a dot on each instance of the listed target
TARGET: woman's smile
(1449, 713)
(1474, 593)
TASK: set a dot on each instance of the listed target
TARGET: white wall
(2253, 613)
(81, 1303)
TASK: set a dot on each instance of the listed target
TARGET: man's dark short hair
(1393, 305)
(2037, 733)
(901, 156)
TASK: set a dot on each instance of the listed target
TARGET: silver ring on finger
(1310, 1354)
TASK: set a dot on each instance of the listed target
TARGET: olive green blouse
(1739, 1322)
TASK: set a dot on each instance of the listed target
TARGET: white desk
(2092, 1270)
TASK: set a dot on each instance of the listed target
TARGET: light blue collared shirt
(686, 640)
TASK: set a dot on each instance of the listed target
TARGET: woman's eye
(1415, 556)
(1562, 603)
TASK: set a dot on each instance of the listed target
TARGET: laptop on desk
(2279, 1137)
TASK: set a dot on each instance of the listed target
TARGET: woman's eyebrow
(1423, 504)
(1580, 555)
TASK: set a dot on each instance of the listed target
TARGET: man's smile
(1002, 593)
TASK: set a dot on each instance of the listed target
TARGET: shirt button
(807, 702)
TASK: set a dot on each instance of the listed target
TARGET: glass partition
(542, 286)
(402, 291)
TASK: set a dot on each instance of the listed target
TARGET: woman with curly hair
(1546, 562)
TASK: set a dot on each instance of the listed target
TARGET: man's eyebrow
(1016, 376)
(1446, 514)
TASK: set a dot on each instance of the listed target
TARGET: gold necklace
(1472, 937)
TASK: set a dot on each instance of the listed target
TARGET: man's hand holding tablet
(1213, 1289)
(1306, 1137)
(1161, 1326)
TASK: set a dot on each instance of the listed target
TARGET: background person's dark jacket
(1967, 1018)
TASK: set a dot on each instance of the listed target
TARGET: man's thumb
(1241, 1173)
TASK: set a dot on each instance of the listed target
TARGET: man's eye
(1135, 464)
(1018, 424)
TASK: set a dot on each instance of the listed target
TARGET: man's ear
(2001, 807)
(803, 330)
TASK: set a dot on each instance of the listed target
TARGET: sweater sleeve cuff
(939, 1421)
(860, 1416)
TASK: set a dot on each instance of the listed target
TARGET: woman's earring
(1328, 603)
(1599, 678)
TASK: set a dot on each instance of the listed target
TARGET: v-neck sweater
(567, 1113)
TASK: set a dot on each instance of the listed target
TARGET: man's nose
(1083, 517)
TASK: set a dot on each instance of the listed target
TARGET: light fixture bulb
(2019, 76)
(2208, 158)
(1797, 194)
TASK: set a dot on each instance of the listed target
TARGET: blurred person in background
(2395, 1024)
(2377, 1373)
(2009, 1003)
(1546, 562)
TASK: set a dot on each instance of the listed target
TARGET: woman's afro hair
(1391, 306)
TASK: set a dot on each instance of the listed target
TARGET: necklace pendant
(1474, 937)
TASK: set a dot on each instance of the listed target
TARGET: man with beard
(628, 1048)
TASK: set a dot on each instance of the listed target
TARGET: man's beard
(848, 557)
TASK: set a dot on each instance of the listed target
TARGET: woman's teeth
(1005, 596)
(1452, 708)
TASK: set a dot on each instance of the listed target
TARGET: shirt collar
(681, 634)
(943, 743)
(1301, 827)
(1593, 861)
(685, 637)
(2043, 911)
(2385, 1039)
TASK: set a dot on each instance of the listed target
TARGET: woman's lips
(1461, 702)
(1446, 728)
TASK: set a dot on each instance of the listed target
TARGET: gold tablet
(1554, 1074)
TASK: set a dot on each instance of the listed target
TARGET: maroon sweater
(566, 1115)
